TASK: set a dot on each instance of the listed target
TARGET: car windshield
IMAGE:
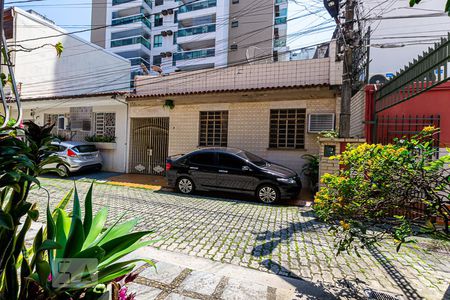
(85, 148)
(254, 159)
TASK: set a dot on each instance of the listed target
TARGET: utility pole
(348, 36)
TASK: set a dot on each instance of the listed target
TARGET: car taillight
(168, 166)
(71, 153)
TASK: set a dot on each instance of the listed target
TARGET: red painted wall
(433, 102)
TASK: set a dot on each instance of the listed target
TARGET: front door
(149, 145)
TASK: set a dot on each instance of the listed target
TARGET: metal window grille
(320, 122)
(213, 128)
(105, 124)
(287, 128)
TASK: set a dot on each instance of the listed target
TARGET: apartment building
(185, 35)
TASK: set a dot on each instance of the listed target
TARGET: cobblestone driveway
(284, 240)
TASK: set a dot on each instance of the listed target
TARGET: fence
(388, 128)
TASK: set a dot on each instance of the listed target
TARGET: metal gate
(149, 145)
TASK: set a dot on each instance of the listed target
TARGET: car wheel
(268, 194)
(185, 185)
(64, 170)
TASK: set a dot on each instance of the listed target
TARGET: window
(157, 41)
(230, 161)
(287, 128)
(208, 159)
(175, 35)
(175, 16)
(235, 1)
(85, 148)
(233, 47)
(158, 20)
(159, 2)
(157, 60)
(234, 24)
(105, 124)
(213, 128)
(275, 55)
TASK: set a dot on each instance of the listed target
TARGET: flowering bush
(378, 186)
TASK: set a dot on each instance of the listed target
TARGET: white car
(78, 156)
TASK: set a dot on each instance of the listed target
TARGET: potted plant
(102, 142)
(311, 171)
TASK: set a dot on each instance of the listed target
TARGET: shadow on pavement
(304, 287)
(88, 175)
(402, 282)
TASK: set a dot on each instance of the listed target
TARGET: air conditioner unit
(164, 12)
(170, 11)
(320, 122)
(378, 79)
(169, 32)
(163, 33)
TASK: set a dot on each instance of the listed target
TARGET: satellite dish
(377, 79)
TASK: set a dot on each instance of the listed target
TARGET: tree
(446, 9)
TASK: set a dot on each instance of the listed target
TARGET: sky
(305, 15)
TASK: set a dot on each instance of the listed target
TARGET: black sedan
(231, 170)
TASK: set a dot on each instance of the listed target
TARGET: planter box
(106, 146)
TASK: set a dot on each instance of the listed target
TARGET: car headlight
(286, 180)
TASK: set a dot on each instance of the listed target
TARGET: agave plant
(76, 241)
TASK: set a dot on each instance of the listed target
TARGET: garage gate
(149, 145)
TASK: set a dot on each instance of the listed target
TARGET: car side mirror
(246, 168)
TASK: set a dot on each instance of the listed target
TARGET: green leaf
(49, 245)
(75, 239)
(123, 242)
(43, 270)
(6, 220)
(62, 231)
(51, 226)
(119, 254)
(97, 227)
(118, 231)
(88, 210)
(64, 201)
(94, 252)
(111, 276)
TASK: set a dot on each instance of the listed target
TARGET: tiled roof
(140, 96)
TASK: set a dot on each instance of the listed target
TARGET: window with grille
(213, 128)
(287, 128)
(105, 124)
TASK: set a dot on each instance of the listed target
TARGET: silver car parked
(78, 156)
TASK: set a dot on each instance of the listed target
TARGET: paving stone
(164, 272)
(142, 291)
(175, 296)
(201, 282)
(237, 290)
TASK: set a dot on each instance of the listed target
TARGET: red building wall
(433, 102)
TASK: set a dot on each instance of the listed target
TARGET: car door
(59, 151)
(203, 169)
(235, 174)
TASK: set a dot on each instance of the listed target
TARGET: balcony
(118, 2)
(196, 30)
(131, 41)
(130, 20)
(195, 54)
(137, 61)
(280, 20)
(197, 6)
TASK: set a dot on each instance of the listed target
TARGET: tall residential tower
(179, 35)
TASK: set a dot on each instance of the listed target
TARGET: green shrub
(370, 197)
(100, 139)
